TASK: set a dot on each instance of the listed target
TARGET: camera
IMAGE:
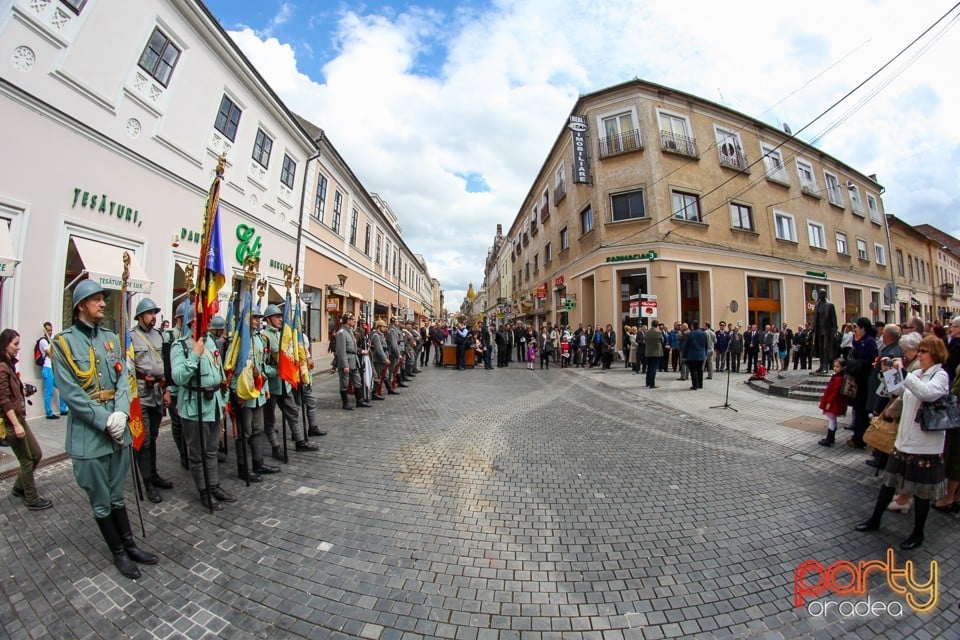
(29, 389)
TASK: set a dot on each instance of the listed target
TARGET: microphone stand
(726, 398)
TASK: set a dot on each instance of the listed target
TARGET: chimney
(499, 230)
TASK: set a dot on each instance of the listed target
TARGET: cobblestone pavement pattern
(491, 505)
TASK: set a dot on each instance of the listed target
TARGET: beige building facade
(653, 203)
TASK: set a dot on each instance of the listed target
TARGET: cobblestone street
(493, 505)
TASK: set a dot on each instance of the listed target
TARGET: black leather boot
(222, 495)
(209, 501)
(346, 403)
(830, 438)
(122, 522)
(921, 510)
(260, 467)
(886, 495)
(360, 401)
(276, 453)
(120, 559)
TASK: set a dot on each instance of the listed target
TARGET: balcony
(621, 143)
(835, 195)
(560, 192)
(946, 290)
(811, 189)
(733, 159)
(678, 144)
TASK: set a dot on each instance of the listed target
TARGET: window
(75, 5)
(564, 239)
(862, 249)
(320, 204)
(899, 263)
(337, 210)
(533, 222)
(366, 240)
(741, 216)
(818, 238)
(686, 206)
(674, 134)
(560, 188)
(842, 247)
(834, 192)
(354, 220)
(526, 270)
(289, 171)
(880, 252)
(545, 205)
(620, 135)
(628, 206)
(228, 118)
(536, 262)
(855, 203)
(730, 149)
(773, 163)
(159, 57)
(808, 182)
(547, 252)
(261, 149)
(586, 220)
(873, 207)
(785, 227)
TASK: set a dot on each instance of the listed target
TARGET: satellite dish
(734, 306)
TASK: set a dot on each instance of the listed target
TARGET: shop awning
(104, 264)
(347, 294)
(8, 259)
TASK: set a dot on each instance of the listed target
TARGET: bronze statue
(824, 330)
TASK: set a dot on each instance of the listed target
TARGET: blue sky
(472, 94)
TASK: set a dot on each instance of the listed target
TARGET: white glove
(117, 425)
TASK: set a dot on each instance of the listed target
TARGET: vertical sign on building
(581, 172)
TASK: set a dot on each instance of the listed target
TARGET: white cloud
(511, 75)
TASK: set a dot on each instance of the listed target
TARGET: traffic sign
(648, 296)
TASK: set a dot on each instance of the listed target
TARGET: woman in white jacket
(916, 464)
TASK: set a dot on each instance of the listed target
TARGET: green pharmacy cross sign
(649, 255)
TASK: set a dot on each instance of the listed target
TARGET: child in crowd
(833, 403)
(564, 352)
(531, 354)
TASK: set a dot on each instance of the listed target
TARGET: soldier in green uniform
(281, 392)
(89, 367)
(251, 411)
(170, 336)
(201, 407)
(148, 359)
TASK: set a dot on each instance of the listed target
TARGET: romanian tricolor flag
(302, 355)
(287, 367)
(212, 272)
(136, 412)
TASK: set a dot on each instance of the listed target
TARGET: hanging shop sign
(581, 170)
(558, 281)
(817, 274)
(100, 203)
(541, 291)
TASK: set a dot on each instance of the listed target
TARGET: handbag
(849, 387)
(881, 434)
(940, 415)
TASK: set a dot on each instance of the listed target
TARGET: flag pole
(134, 471)
(298, 345)
(288, 282)
(200, 318)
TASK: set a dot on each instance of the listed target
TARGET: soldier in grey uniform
(281, 392)
(201, 405)
(170, 336)
(394, 351)
(304, 393)
(411, 339)
(380, 360)
(348, 363)
(89, 367)
(148, 360)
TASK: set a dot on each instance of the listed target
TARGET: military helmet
(85, 289)
(144, 306)
(217, 322)
(181, 309)
(272, 310)
(255, 312)
(188, 315)
(346, 317)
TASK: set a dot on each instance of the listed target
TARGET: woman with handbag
(916, 464)
(950, 503)
(909, 344)
(18, 433)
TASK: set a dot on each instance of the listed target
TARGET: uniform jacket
(271, 337)
(184, 363)
(393, 342)
(87, 360)
(258, 358)
(378, 348)
(148, 359)
(347, 357)
(723, 340)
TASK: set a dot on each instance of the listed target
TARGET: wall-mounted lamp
(342, 278)
(851, 186)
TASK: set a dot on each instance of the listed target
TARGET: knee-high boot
(112, 537)
(122, 522)
(921, 510)
(346, 403)
(886, 495)
(360, 401)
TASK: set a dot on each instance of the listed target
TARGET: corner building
(653, 203)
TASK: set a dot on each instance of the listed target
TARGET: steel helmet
(272, 310)
(144, 306)
(188, 315)
(218, 322)
(85, 289)
(181, 309)
(255, 312)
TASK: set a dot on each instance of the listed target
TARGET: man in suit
(653, 351)
(694, 353)
(750, 348)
